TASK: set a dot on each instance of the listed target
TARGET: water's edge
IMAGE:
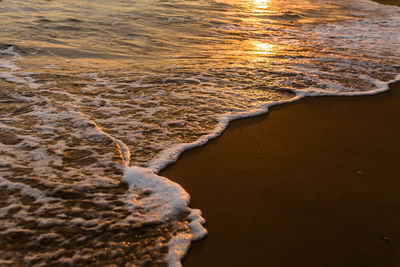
(179, 245)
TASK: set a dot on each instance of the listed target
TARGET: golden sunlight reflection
(261, 4)
(251, 5)
(263, 48)
(259, 51)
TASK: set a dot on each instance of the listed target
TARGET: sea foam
(80, 114)
(166, 200)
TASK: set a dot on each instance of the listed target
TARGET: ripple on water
(88, 88)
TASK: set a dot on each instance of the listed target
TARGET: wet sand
(312, 183)
(388, 2)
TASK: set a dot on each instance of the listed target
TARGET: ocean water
(96, 97)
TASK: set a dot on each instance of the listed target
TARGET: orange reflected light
(264, 48)
(260, 52)
(262, 4)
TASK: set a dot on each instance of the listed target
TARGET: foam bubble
(166, 199)
(73, 120)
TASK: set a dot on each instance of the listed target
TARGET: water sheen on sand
(93, 93)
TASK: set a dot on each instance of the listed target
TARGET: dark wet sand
(388, 2)
(312, 183)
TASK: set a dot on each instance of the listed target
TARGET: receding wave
(96, 98)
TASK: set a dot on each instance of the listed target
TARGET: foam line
(123, 149)
(171, 155)
(167, 200)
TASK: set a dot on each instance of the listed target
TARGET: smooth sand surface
(388, 2)
(312, 183)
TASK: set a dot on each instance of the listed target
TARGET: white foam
(144, 109)
(25, 189)
(166, 199)
(8, 64)
(171, 154)
(143, 177)
(9, 51)
(12, 75)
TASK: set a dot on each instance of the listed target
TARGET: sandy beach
(312, 183)
(97, 97)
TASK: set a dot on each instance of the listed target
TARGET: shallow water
(90, 90)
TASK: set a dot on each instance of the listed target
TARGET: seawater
(96, 97)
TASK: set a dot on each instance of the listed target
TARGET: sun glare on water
(264, 48)
(262, 4)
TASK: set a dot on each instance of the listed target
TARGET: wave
(86, 124)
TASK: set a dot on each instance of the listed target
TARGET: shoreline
(281, 178)
(362, 249)
(301, 182)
